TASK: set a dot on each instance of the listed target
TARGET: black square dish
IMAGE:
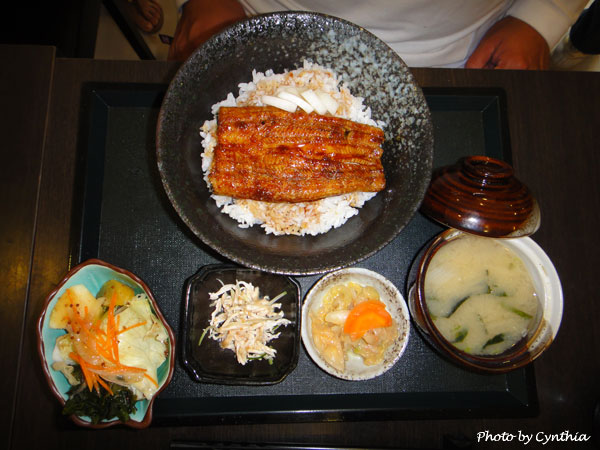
(208, 362)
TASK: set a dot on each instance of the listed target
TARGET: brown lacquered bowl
(481, 195)
(540, 335)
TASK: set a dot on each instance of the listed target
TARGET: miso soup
(480, 295)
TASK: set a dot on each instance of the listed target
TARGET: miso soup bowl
(548, 289)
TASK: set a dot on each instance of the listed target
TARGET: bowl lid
(481, 195)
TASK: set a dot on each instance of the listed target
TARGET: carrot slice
(105, 386)
(89, 376)
(152, 380)
(103, 343)
(366, 316)
(139, 324)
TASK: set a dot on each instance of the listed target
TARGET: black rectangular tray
(123, 216)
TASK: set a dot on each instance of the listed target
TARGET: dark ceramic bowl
(208, 362)
(93, 274)
(539, 337)
(282, 41)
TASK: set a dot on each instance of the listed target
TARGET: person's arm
(200, 19)
(510, 44)
(523, 39)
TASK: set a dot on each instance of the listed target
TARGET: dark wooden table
(554, 121)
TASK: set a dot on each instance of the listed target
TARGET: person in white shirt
(502, 34)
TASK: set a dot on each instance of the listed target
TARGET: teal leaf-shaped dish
(93, 274)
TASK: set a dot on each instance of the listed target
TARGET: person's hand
(200, 19)
(511, 44)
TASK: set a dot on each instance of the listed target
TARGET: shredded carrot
(106, 354)
(102, 351)
(81, 325)
(89, 376)
(105, 385)
(124, 369)
(151, 379)
(118, 369)
(95, 329)
(104, 343)
(139, 324)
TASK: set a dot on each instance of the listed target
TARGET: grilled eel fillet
(268, 154)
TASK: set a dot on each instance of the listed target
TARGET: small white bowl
(355, 368)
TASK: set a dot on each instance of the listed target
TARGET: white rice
(289, 218)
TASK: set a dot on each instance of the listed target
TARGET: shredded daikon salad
(245, 322)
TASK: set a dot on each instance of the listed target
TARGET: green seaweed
(99, 405)
(460, 336)
(493, 289)
(518, 312)
(457, 305)
(495, 340)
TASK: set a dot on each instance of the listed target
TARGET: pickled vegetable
(352, 320)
